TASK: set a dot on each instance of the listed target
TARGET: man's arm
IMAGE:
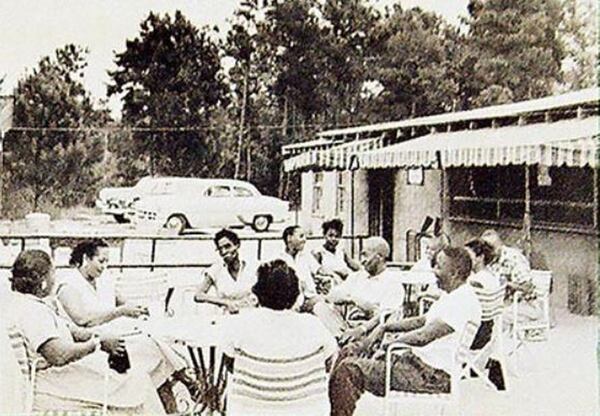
(423, 335)
(404, 325)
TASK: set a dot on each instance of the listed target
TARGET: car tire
(176, 222)
(120, 218)
(261, 223)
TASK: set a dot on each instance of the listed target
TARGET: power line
(107, 129)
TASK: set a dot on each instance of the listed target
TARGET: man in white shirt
(435, 339)
(304, 263)
(374, 288)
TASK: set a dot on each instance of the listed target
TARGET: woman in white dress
(231, 279)
(80, 299)
(73, 364)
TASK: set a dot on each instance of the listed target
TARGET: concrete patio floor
(557, 377)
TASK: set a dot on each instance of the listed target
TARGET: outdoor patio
(557, 377)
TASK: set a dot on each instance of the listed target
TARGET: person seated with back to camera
(484, 280)
(336, 263)
(306, 268)
(231, 278)
(436, 337)
(80, 302)
(73, 370)
(275, 330)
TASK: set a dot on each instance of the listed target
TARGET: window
(218, 191)
(340, 202)
(498, 194)
(317, 192)
(243, 192)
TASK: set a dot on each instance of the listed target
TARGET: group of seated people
(286, 306)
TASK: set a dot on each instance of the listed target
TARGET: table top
(188, 329)
(415, 277)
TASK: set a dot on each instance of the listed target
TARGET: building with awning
(527, 169)
(570, 142)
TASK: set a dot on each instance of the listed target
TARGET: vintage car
(117, 201)
(182, 203)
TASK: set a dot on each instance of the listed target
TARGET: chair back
(278, 386)
(27, 365)
(464, 347)
(542, 280)
(492, 302)
(146, 289)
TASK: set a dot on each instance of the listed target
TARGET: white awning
(571, 142)
(337, 157)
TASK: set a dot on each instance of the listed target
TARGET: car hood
(115, 192)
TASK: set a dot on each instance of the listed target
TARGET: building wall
(413, 203)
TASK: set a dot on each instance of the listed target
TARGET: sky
(32, 29)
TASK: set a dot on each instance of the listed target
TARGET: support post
(527, 216)
(1, 170)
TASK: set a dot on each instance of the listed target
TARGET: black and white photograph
(299, 207)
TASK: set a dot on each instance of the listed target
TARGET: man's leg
(346, 385)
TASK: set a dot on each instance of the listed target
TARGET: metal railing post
(152, 254)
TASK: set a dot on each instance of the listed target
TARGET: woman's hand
(112, 344)
(132, 311)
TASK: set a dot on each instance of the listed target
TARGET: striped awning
(571, 142)
(337, 157)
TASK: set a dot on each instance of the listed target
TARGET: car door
(242, 204)
(216, 206)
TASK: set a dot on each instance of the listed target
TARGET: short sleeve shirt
(228, 287)
(382, 290)
(305, 265)
(489, 281)
(455, 309)
(92, 303)
(512, 265)
(38, 322)
(277, 334)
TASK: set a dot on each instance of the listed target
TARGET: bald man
(373, 288)
(509, 264)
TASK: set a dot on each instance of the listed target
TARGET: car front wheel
(176, 222)
(261, 223)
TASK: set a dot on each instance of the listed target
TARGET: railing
(54, 240)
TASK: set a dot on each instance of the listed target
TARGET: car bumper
(109, 209)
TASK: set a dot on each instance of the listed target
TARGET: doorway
(381, 184)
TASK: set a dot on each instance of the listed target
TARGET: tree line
(197, 102)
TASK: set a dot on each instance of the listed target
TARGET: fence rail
(55, 238)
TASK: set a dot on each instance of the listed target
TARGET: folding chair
(29, 366)
(492, 305)
(521, 325)
(444, 400)
(145, 289)
(278, 386)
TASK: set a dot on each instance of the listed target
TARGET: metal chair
(29, 365)
(492, 307)
(278, 386)
(444, 400)
(145, 289)
(521, 326)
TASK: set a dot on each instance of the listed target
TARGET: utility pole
(6, 116)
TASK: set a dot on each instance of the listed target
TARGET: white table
(203, 338)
